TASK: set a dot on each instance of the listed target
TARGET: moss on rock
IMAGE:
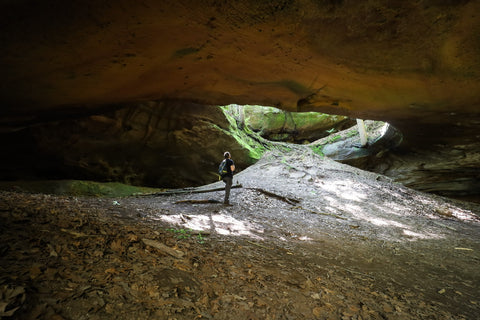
(76, 188)
(297, 127)
(246, 138)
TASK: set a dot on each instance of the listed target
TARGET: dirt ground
(304, 238)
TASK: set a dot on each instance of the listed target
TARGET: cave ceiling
(413, 63)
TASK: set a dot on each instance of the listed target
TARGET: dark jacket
(228, 166)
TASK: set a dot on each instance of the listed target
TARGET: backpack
(222, 170)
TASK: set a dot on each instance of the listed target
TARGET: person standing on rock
(228, 176)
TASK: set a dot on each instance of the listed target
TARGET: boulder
(295, 127)
(346, 146)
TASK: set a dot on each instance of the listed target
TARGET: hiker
(228, 176)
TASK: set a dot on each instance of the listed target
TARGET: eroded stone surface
(156, 144)
(296, 127)
(381, 60)
(411, 63)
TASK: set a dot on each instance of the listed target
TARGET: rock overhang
(408, 63)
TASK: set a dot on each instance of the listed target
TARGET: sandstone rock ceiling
(408, 62)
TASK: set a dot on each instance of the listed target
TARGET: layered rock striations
(155, 144)
(411, 63)
(398, 61)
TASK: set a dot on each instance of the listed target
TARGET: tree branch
(291, 201)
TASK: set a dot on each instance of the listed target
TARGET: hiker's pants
(228, 185)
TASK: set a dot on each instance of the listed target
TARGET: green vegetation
(272, 119)
(258, 117)
(352, 133)
(318, 149)
(182, 234)
(333, 139)
(331, 131)
(307, 119)
(282, 147)
(76, 188)
(248, 139)
(248, 124)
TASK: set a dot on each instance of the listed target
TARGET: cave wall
(447, 170)
(411, 63)
(397, 61)
(150, 144)
(155, 143)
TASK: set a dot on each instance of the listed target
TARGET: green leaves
(182, 234)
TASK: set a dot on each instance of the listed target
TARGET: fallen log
(291, 201)
(198, 201)
(188, 191)
(160, 246)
